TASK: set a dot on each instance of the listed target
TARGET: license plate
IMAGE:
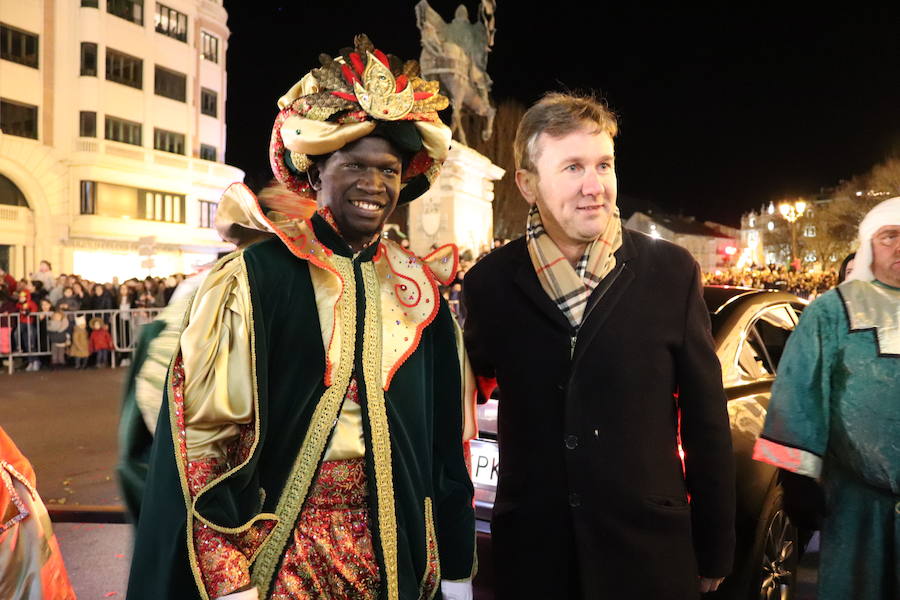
(485, 459)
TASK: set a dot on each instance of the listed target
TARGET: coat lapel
(600, 310)
(528, 283)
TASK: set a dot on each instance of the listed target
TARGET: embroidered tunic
(274, 338)
(835, 415)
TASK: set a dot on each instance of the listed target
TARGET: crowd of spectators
(803, 283)
(36, 300)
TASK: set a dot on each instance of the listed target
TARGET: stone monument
(459, 206)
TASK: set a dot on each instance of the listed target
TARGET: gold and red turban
(360, 92)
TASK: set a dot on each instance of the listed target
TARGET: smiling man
(600, 342)
(834, 419)
(311, 442)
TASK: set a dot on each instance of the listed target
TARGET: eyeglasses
(887, 238)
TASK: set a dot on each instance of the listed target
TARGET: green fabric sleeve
(799, 411)
(454, 515)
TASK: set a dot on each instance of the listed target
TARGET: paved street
(65, 422)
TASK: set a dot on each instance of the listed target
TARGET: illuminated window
(809, 231)
(121, 130)
(810, 257)
(88, 197)
(87, 123)
(209, 102)
(770, 225)
(88, 59)
(18, 46)
(209, 46)
(130, 10)
(207, 152)
(125, 69)
(19, 119)
(168, 141)
(170, 84)
(161, 206)
(170, 22)
(207, 213)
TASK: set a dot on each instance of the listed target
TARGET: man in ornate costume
(835, 417)
(599, 340)
(311, 444)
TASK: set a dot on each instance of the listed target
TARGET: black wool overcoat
(592, 500)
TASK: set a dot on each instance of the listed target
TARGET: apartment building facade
(112, 135)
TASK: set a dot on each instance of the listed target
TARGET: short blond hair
(558, 114)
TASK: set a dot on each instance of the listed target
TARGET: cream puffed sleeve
(216, 349)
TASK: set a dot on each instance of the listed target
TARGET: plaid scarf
(570, 287)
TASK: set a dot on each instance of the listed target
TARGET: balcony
(154, 159)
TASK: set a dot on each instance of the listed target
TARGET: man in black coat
(600, 342)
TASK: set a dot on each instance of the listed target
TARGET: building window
(90, 3)
(18, 46)
(770, 225)
(170, 22)
(168, 141)
(809, 231)
(88, 197)
(89, 59)
(120, 130)
(209, 46)
(207, 214)
(161, 206)
(18, 119)
(170, 84)
(130, 10)
(810, 257)
(124, 68)
(751, 222)
(87, 124)
(207, 152)
(209, 102)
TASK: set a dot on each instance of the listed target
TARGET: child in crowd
(26, 332)
(101, 341)
(58, 335)
(80, 348)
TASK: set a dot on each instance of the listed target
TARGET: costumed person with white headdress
(834, 419)
(311, 440)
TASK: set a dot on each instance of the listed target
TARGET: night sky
(720, 110)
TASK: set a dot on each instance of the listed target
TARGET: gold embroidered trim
(428, 585)
(307, 462)
(381, 440)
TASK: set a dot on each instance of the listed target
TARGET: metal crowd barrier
(26, 339)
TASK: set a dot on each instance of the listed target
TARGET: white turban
(886, 213)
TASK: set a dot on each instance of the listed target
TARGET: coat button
(571, 442)
(574, 500)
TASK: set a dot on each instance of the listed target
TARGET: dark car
(750, 328)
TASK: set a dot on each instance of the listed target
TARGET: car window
(752, 357)
(764, 342)
(774, 327)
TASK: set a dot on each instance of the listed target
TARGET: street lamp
(791, 211)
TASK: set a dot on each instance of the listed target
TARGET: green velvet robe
(424, 424)
(835, 415)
